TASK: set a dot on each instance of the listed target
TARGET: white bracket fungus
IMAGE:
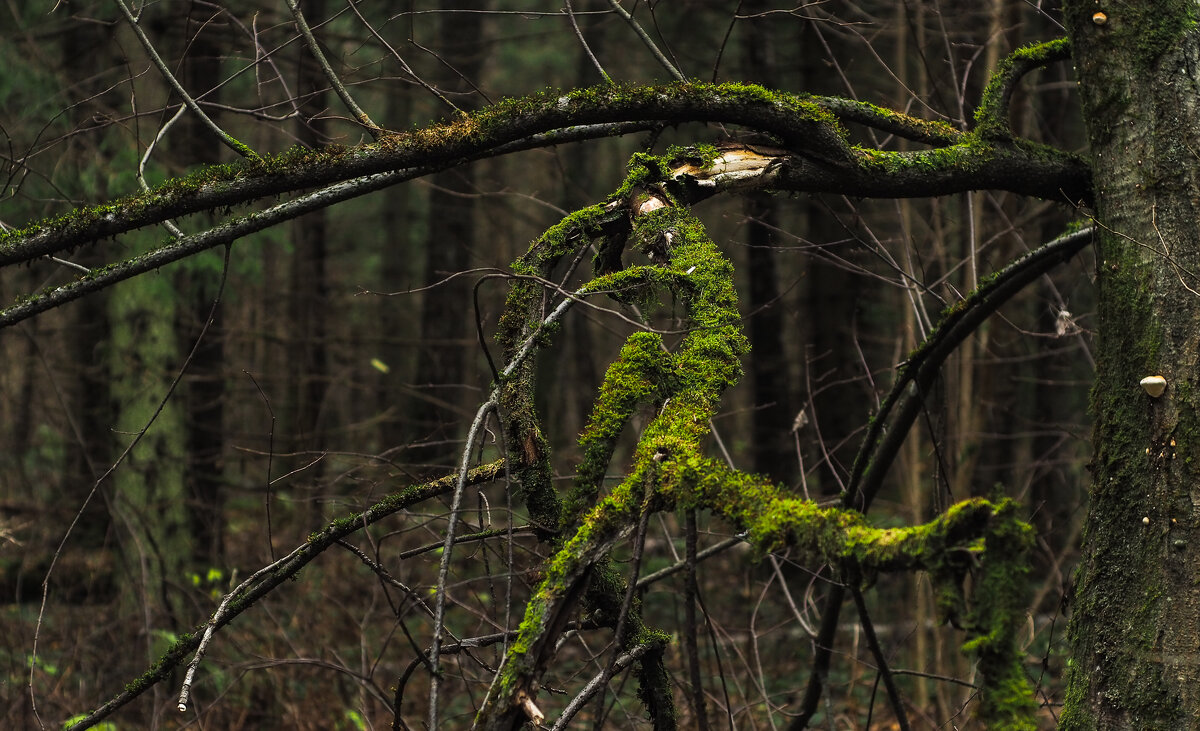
(1154, 385)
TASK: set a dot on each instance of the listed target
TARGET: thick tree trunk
(1134, 630)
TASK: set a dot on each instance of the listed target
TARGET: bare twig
(338, 87)
(439, 610)
(597, 682)
(880, 660)
(239, 147)
(646, 39)
(583, 42)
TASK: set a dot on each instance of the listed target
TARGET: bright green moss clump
(671, 470)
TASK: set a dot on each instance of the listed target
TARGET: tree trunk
(1137, 600)
(446, 312)
(308, 296)
(204, 401)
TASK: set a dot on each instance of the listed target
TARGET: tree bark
(1135, 630)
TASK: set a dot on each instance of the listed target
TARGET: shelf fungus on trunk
(1154, 385)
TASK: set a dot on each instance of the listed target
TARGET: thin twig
(120, 460)
(239, 147)
(583, 42)
(439, 610)
(691, 647)
(597, 682)
(641, 33)
(338, 87)
(889, 682)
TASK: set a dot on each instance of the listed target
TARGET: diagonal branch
(282, 571)
(901, 407)
(239, 147)
(338, 87)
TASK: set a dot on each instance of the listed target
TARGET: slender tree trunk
(308, 298)
(87, 334)
(446, 310)
(1135, 628)
(770, 434)
(205, 395)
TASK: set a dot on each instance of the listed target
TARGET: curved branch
(884, 437)
(886, 431)
(101, 278)
(991, 118)
(802, 125)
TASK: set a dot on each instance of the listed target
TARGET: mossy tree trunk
(1136, 622)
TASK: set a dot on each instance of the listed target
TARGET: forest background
(342, 362)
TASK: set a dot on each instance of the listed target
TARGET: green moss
(670, 470)
(991, 117)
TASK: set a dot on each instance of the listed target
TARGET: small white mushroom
(1154, 385)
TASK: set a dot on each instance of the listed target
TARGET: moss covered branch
(806, 126)
(992, 115)
(669, 469)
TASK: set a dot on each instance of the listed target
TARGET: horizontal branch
(242, 226)
(808, 127)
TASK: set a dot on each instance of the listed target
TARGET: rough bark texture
(1137, 602)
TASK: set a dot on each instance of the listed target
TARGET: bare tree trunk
(308, 292)
(204, 401)
(446, 312)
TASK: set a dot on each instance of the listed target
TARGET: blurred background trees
(342, 364)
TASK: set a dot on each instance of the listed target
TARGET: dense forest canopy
(604, 364)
